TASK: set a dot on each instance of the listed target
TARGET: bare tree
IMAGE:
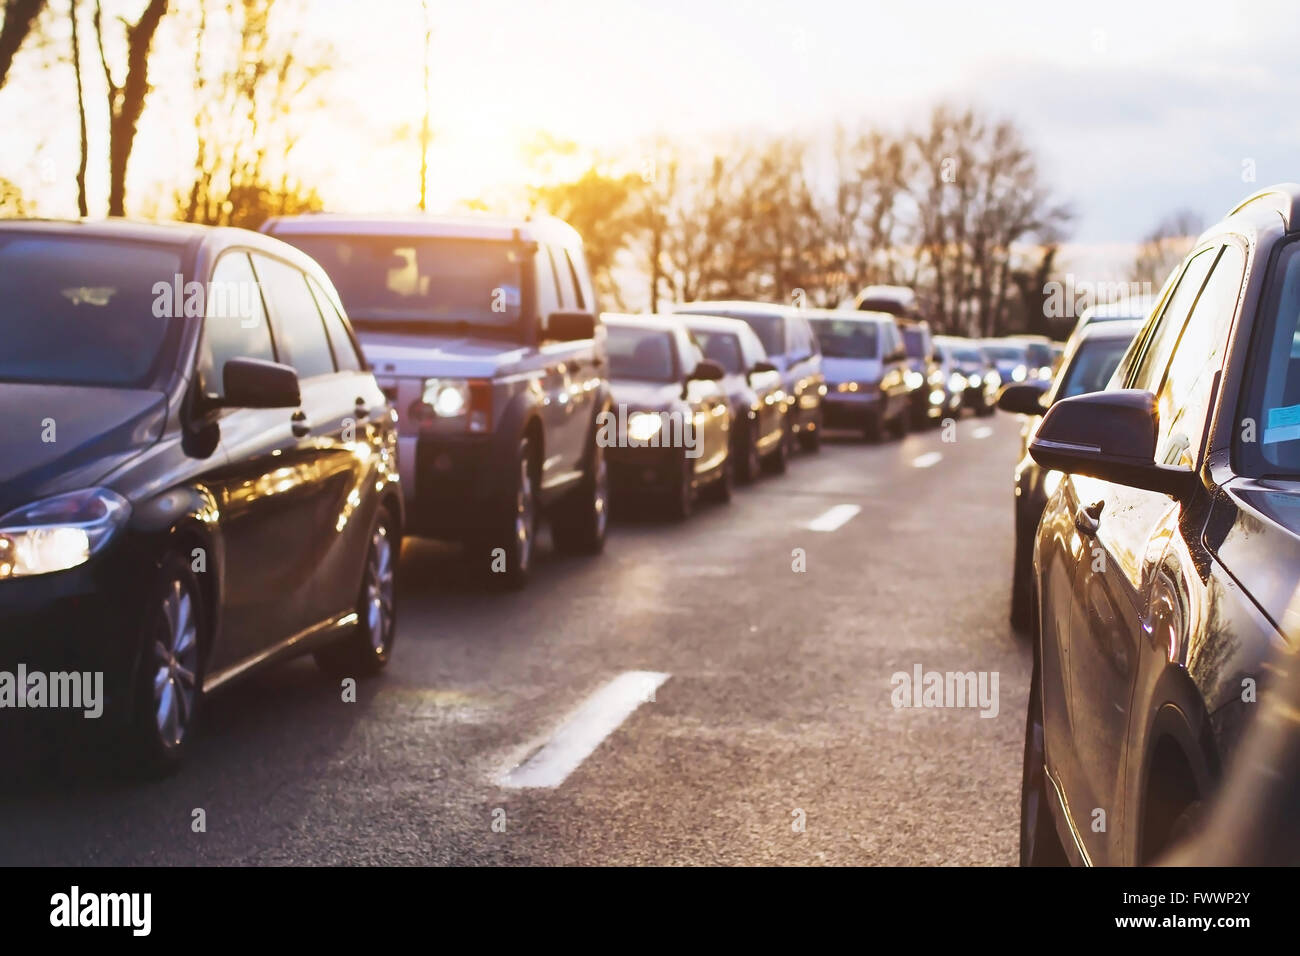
(126, 99)
(1165, 246)
(83, 209)
(19, 21)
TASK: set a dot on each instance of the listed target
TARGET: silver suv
(485, 335)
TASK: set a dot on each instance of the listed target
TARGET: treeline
(956, 208)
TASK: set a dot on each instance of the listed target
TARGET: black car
(753, 385)
(1091, 359)
(792, 347)
(669, 433)
(1168, 558)
(197, 472)
(979, 390)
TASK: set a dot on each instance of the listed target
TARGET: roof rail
(1284, 199)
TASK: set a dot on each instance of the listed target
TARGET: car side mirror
(707, 371)
(1023, 399)
(570, 326)
(759, 368)
(256, 383)
(1109, 435)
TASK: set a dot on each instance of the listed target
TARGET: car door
(559, 464)
(708, 406)
(260, 512)
(802, 369)
(766, 386)
(893, 379)
(1127, 530)
(322, 481)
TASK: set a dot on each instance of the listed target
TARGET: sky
(1134, 109)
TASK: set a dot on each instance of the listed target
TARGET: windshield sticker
(1283, 424)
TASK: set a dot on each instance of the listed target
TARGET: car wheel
(778, 461)
(505, 552)
(681, 499)
(751, 464)
(899, 427)
(811, 437)
(366, 648)
(721, 487)
(169, 681)
(579, 527)
(1039, 844)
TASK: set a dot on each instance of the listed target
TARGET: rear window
(841, 338)
(95, 312)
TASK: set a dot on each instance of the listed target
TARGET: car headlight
(914, 379)
(58, 533)
(1018, 373)
(936, 377)
(975, 381)
(1045, 373)
(993, 378)
(847, 387)
(957, 383)
(936, 397)
(643, 426)
(452, 398)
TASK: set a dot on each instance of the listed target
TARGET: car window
(723, 348)
(299, 329)
(914, 338)
(563, 280)
(1184, 398)
(1092, 366)
(645, 355)
(847, 338)
(800, 338)
(579, 298)
(1160, 341)
(344, 347)
(548, 300)
(1267, 430)
(753, 348)
(235, 325)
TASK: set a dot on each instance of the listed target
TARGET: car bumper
(850, 408)
(449, 481)
(643, 470)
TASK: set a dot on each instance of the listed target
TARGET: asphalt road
(773, 740)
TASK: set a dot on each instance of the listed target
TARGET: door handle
(1088, 519)
(298, 422)
(362, 408)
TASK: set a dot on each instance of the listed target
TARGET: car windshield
(1093, 364)
(968, 356)
(418, 280)
(643, 355)
(1038, 355)
(1268, 441)
(770, 331)
(80, 311)
(1005, 353)
(723, 348)
(845, 338)
(914, 339)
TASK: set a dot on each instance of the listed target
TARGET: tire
(1039, 843)
(681, 498)
(168, 689)
(720, 488)
(366, 648)
(580, 525)
(505, 552)
(778, 461)
(750, 464)
(874, 430)
(899, 428)
(810, 439)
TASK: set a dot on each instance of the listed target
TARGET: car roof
(740, 306)
(958, 341)
(483, 227)
(849, 315)
(644, 320)
(1282, 200)
(1137, 308)
(713, 323)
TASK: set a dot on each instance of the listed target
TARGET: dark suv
(198, 474)
(1168, 556)
(485, 334)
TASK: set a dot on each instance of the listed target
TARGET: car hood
(839, 370)
(645, 396)
(1255, 531)
(95, 430)
(439, 356)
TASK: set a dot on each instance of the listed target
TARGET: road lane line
(929, 459)
(833, 518)
(578, 737)
(982, 432)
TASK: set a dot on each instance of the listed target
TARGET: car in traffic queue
(926, 380)
(485, 334)
(668, 437)
(753, 386)
(973, 376)
(1040, 356)
(198, 475)
(1167, 559)
(866, 368)
(1090, 360)
(1125, 309)
(1010, 358)
(792, 347)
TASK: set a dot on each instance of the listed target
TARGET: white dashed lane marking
(834, 518)
(927, 460)
(578, 737)
(982, 432)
